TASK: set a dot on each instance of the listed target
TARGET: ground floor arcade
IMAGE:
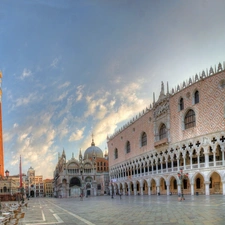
(198, 182)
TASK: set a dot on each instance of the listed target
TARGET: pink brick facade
(153, 167)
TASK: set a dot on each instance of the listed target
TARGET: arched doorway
(131, 188)
(138, 188)
(199, 186)
(88, 189)
(163, 187)
(153, 187)
(145, 187)
(75, 185)
(173, 185)
(215, 186)
(88, 181)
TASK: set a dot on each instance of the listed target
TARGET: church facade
(182, 132)
(88, 175)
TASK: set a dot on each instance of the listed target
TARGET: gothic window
(116, 153)
(143, 139)
(99, 186)
(189, 120)
(128, 147)
(181, 104)
(162, 132)
(196, 97)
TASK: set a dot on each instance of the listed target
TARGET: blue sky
(72, 68)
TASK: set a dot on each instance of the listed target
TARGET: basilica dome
(93, 149)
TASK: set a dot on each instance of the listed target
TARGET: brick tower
(1, 132)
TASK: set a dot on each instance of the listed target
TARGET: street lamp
(112, 189)
(182, 177)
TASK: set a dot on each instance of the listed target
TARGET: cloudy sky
(76, 67)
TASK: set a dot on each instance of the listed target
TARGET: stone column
(178, 164)
(191, 161)
(123, 185)
(192, 189)
(168, 189)
(156, 168)
(222, 149)
(141, 188)
(198, 161)
(184, 162)
(158, 189)
(207, 192)
(166, 166)
(223, 187)
(179, 188)
(135, 188)
(149, 190)
(206, 159)
(214, 159)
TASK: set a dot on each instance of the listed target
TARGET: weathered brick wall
(209, 111)
(132, 134)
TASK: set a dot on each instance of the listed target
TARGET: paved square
(130, 210)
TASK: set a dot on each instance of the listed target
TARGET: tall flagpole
(20, 174)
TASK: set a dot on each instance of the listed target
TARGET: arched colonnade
(207, 182)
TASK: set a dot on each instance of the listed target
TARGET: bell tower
(1, 132)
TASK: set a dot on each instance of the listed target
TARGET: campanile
(1, 132)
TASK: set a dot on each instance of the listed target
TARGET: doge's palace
(183, 129)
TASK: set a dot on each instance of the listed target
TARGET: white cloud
(26, 73)
(34, 141)
(78, 135)
(65, 85)
(108, 113)
(54, 63)
(26, 100)
(62, 96)
(79, 92)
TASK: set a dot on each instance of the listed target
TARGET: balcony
(161, 142)
(170, 170)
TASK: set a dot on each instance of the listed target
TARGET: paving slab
(130, 210)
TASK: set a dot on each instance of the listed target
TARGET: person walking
(120, 195)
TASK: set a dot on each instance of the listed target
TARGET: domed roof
(93, 149)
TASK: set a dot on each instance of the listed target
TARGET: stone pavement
(130, 210)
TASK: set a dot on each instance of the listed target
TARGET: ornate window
(128, 147)
(116, 153)
(181, 104)
(196, 97)
(162, 132)
(143, 139)
(189, 120)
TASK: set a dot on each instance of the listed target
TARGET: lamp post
(112, 187)
(182, 177)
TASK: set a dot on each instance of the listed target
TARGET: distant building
(183, 129)
(48, 187)
(34, 185)
(87, 175)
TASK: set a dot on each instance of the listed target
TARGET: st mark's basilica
(87, 175)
